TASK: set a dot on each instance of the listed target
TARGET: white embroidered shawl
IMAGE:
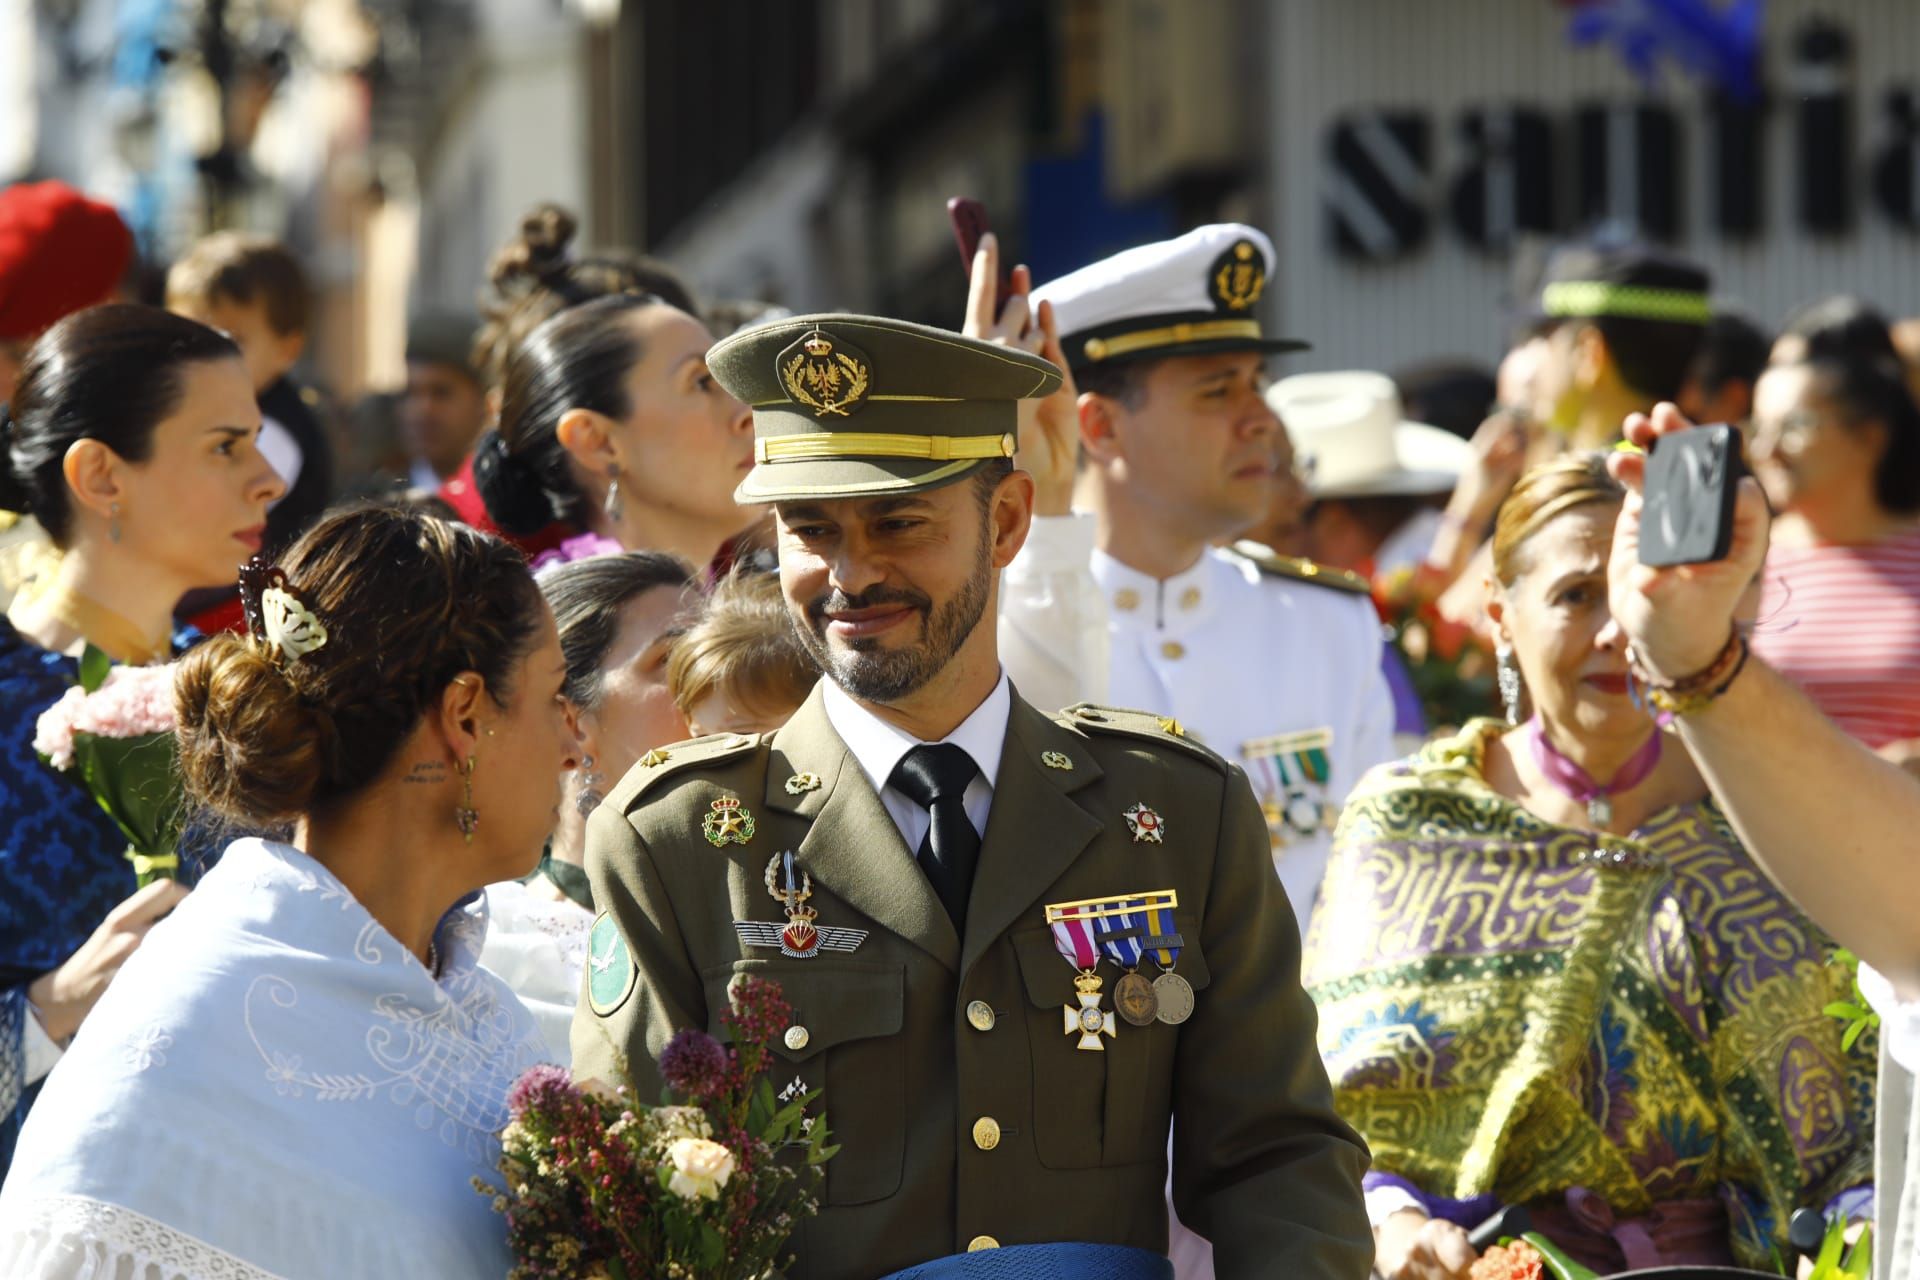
(275, 1087)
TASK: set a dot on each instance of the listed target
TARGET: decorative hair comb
(275, 614)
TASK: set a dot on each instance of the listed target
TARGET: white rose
(700, 1168)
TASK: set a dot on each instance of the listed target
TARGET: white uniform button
(980, 1015)
(796, 1038)
(986, 1133)
(981, 1243)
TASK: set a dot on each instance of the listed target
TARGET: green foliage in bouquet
(1854, 1010)
(601, 1187)
(113, 734)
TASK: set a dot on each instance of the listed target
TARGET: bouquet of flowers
(601, 1187)
(113, 734)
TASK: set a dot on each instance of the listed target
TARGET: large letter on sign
(1377, 184)
(1507, 184)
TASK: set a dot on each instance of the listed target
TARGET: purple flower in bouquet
(113, 733)
(543, 1088)
(694, 1064)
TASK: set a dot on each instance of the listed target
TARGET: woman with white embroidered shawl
(303, 1068)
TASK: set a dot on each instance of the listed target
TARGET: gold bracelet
(1700, 690)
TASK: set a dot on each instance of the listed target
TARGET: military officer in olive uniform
(1018, 946)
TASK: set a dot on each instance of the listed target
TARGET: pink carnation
(133, 701)
(585, 546)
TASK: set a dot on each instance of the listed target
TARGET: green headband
(1580, 299)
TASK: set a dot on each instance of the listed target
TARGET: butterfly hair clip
(275, 614)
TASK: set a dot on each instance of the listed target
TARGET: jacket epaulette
(662, 763)
(1299, 570)
(1090, 717)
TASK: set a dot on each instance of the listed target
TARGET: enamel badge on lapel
(1147, 826)
(800, 938)
(801, 783)
(1055, 760)
(727, 823)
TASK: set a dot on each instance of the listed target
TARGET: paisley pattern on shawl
(1514, 1008)
(61, 858)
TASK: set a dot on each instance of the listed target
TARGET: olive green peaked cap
(854, 406)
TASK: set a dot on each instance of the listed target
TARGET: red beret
(59, 252)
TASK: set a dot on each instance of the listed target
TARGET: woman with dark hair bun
(398, 705)
(535, 276)
(1836, 445)
(132, 440)
(611, 425)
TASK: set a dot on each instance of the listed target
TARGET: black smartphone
(969, 218)
(1692, 480)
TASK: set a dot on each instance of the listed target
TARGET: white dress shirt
(878, 747)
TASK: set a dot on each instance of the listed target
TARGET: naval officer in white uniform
(1274, 663)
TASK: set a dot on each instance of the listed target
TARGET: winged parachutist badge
(800, 938)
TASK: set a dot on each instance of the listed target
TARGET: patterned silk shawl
(1512, 1008)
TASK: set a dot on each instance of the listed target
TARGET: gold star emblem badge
(727, 823)
(654, 759)
(801, 783)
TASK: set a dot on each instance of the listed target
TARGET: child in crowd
(255, 289)
(738, 667)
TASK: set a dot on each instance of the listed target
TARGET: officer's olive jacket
(1262, 1164)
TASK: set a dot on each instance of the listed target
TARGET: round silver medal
(1175, 996)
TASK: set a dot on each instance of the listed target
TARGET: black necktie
(935, 777)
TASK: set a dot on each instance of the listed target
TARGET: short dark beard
(874, 674)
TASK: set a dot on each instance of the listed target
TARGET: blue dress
(62, 860)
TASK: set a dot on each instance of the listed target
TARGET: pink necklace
(1571, 780)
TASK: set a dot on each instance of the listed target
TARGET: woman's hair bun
(539, 251)
(514, 495)
(251, 748)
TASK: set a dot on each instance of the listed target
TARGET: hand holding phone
(969, 218)
(1692, 480)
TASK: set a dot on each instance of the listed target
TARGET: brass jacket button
(986, 1133)
(796, 1038)
(979, 1243)
(980, 1015)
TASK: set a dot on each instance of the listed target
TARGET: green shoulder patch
(1292, 567)
(610, 971)
(1091, 718)
(665, 762)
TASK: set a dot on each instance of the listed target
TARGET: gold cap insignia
(1237, 277)
(827, 378)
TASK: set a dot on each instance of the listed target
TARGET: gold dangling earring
(466, 817)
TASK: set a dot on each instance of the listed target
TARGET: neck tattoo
(427, 771)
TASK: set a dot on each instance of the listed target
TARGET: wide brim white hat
(1352, 440)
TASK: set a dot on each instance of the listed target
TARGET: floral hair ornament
(275, 614)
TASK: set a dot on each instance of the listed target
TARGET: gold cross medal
(800, 938)
(727, 823)
(1073, 937)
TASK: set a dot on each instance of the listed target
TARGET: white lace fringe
(74, 1238)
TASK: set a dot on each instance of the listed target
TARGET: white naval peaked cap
(1192, 295)
(1348, 430)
